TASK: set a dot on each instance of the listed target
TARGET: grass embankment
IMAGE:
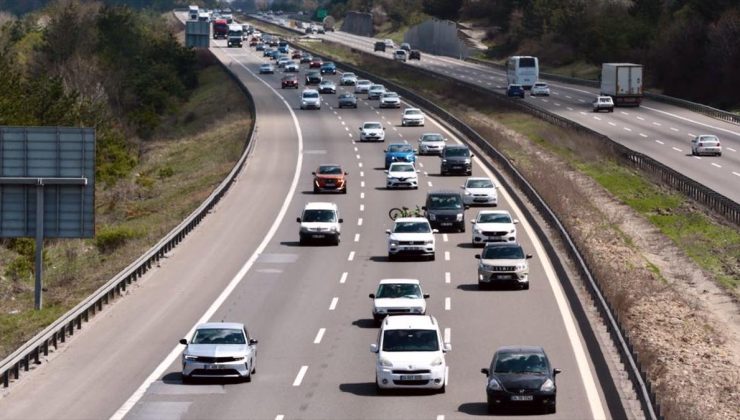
(192, 152)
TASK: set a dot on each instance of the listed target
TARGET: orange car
(330, 178)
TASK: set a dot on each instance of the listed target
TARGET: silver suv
(503, 263)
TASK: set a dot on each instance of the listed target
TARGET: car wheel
(443, 389)
(336, 241)
(187, 379)
(719, 154)
(302, 241)
(551, 409)
(462, 229)
(431, 257)
(248, 378)
(491, 409)
(693, 152)
(391, 257)
(482, 286)
(378, 389)
(525, 286)
(345, 191)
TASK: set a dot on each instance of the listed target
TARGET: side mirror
(447, 347)
(462, 187)
(529, 256)
(252, 341)
(516, 221)
(385, 151)
(373, 348)
(183, 341)
(556, 371)
(388, 231)
(424, 208)
(466, 206)
(360, 128)
(426, 295)
(313, 173)
(346, 173)
(485, 371)
(472, 155)
(298, 219)
(341, 220)
(383, 128)
(472, 222)
(477, 256)
(386, 171)
(371, 295)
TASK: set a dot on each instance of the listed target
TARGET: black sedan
(521, 376)
(313, 78)
(347, 100)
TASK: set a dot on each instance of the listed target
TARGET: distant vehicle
(320, 222)
(603, 103)
(313, 78)
(623, 82)
(327, 86)
(540, 89)
(405, 46)
(503, 262)
(402, 175)
(400, 55)
(479, 191)
(493, 226)
(456, 158)
(375, 91)
(297, 54)
(372, 131)
(328, 24)
(522, 70)
(399, 152)
(379, 46)
(328, 68)
(347, 100)
(390, 100)
(415, 55)
(289, 82)
(348, 79)
(259, 46)
(515, 91)
(267, 68)
(445, 210)
(706, 144)
(412, 116)
(219, 350)
(431, 144)
(193, 12)
(362, 86)
(306, 58)
(291, 67)
(310, 98)
(235, 36)
(315, 63)
(398, 297)
(220, 29)
(389, 43)
(520, 375)
(330, 178)
(204, 17)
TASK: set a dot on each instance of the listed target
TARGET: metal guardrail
(692, 106)
(65, 326)
(636, 373)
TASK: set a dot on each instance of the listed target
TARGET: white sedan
(479, 191)
(398, 297)
(493, 226)
(412, 116)
(372, 131)
(411, 236)
(402, 175)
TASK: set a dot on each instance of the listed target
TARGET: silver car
(219, 350)
(375, 91)
(431, 144)
(706, 144)
(362, 86)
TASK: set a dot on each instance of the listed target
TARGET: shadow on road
(363, 389)
(365, 323)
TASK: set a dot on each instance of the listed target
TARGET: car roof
(372, 122)
(310, 91)
(411, 219)
(478, 178)
(399, 281)
(502, 245)
(523, 349)
(399, 322)
(213, 325)
(446, 192)
(320, 205)
(494, 212)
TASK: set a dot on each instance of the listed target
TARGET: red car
(253, 42)
(289, 81)
(297, 55)
(330, 178)
(315, 63)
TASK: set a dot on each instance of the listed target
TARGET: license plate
(319, 236)
(214, 367)
(480, 200)
(410, 377)
(504, 276)
(446, 223)
(457, 167)
(522, 397)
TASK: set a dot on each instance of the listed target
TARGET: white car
(372, 131)
(310, 98)
(219, 350)
(479, 191)
(431, 144)
(503, 262)
(291, 67)
(398, 297)
(400, 55)
(390, 100)
(267, 68)
(410, 354)
(411, 236)
(389, 43)
(540, 89)
(320, 221)
(402, 175)
(348, 79)
(412, 116)
(493, 226)
(362, 86)
(706, 144)
(375, 91)
(603, 103)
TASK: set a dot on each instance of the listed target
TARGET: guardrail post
(6, 378)
(26, 362)
(63, 333)
(46, 347)
(36, 356)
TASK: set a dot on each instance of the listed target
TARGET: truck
(623, 82)
(220, 28)
(329, 23)
(234, 38)
(193, 12)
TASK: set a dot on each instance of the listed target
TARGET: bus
(522, 70)
(193, 12)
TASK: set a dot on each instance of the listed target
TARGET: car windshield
(328, 64)
(540, 85)
(327, 83)
(377, 87)
(709, 139)
(402, 290)
(390, 95)
(432, 137)
(494, 218)
(311, 95)
(363, 82)
(405, 167)
(218, 336)
(348, 75)
(330, 170)
(372, 125)
(399, 148)
(445, 202)
(412, 112)
(479, 183)
(346, 96)
(457, 151)
(503, 253)
(411, 227)
(521, 363)
(319, 216)
(410, 340)
(266, 66)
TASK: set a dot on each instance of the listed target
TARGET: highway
(655, 129)
(308, 305)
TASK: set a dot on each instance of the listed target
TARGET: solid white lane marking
(359, 221)
(362, 207)
(319, 336)
(659, 142)
(357, 237)
(714, 164)
(445, 237)
(448, 304)
(643, 135)
(177, 350)
(447, 255)
(448, 277)
(677, 149)
(447, 338)
(735, 133)
(333, 304)
(351, 256)
(299, 377)
(343, 279)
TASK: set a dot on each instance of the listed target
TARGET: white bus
(193, 12)
(522, 70)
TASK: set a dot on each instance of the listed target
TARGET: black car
(521, 376)
(328, 68)
(347, 100)
(415, 55)
(379, 46)
(306, 58)
(515, 90)
(445, 210)
(313, 78)
(456, 158)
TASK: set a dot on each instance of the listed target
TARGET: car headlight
(467, 160)
(437, 361)
(444, 160)
(190, 357)
(418, 310)
(494, 385)
(385, 362)
(459, 217)
(521, 266)
(429, 242)
(512, 231)
(238, 358)
(432, 217)
(333, 229)
(485, 267)
(394, 243)
(477, 230)
(468, 193)
(548, 386)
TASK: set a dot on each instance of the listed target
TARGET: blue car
(328, 68)
(399, 152)
(515, 90)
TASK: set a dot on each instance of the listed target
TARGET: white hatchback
(372, 131)
(540, 89)
(362, 86)
(398, 297)
(479, 191)
(412, 116)
(493, 226)
(402, 175)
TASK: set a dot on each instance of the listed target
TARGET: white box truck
(623, 82)
(193, 12)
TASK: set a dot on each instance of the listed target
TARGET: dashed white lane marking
(597, 118)
(319, 336)
(674, 129)
(447, 255)
(377, 112)
(612, 124)
(359, 164)
(426, 173)
(735, 173)
(568, 97)
(627, 129)
(346, 128)
(569, 108)
(357, 237)
(556, 104)
(359, 221)
(299, 377)
(691, 134)
(335, 113)
(333, 304)
(344, 124)
(657, 123)
(731, 149)
(350, 134)
(448, 304)
(583, 113)
(718, 166)
(447, 338)
(395, 129)
(358, 156)
(640, 118)
(279, 417)
(440, 417)
(362, 173)
(362, 195)
(362, 184)
(581, 100)
(643, 135)
(362, 207)
(356, 149)
(545, 100)
(677, 149)
(351, 256)
(659, 142)
(696, 157)
(445, 237)
(624, 113)
(421, 165)
(429, 183)
(448, 277)
(343, 279)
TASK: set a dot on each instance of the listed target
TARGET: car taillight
(701, 144)
(718, 144)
